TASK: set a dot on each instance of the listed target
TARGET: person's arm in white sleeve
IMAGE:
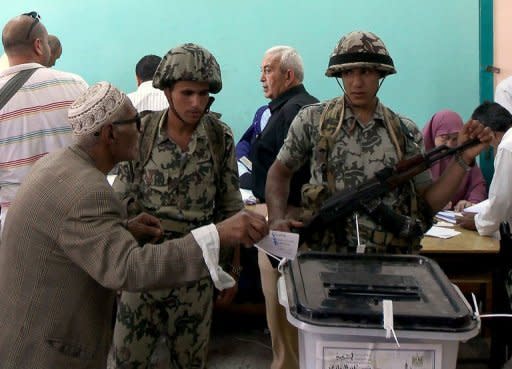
(499, 208)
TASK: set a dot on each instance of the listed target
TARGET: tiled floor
(240, 350)
(239, 341)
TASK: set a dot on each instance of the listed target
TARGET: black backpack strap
(14, 84)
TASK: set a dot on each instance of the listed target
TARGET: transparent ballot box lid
(347, 291)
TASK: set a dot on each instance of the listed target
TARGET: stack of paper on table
(448, 216)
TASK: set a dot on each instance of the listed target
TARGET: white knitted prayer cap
(94, 108)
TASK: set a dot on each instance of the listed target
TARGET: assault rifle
(367, 196)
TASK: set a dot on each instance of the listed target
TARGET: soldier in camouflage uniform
(348, 139)
(186, 176)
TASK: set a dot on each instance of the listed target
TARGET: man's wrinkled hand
(245, 227)
(467, 220)
(145, 228)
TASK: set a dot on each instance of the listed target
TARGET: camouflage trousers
(183, 314)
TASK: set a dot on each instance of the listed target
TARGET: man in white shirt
(499, 206)
(34, 121)
(503, 93)
(147, 97)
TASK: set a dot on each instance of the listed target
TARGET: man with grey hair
(68, 245)
(282, 73)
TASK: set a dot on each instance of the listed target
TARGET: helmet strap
(345, 94)
(175, 112)
(340, 84)
(211, 99)
(349, 102)
(380, 84)
(342, 89)
(171, 107)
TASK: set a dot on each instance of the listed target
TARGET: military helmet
(188, 62)
(360, 49)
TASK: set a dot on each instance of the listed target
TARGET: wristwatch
(462, 163)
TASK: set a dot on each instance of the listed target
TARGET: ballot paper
(441, 232)
(281, 244)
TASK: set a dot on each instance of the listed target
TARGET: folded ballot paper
(441, 232)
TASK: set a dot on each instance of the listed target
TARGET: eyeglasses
(36, 18)
(135, 119)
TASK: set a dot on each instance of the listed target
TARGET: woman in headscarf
(442, 129)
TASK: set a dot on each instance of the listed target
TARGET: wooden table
(468, 259)
(468, 242)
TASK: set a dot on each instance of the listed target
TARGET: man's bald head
(55, 50)
(25, 40)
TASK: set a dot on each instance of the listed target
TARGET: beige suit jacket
(64, 252)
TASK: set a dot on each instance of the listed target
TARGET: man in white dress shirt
(147, 97)
(499, 207)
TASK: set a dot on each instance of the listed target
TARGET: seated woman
(442, 129)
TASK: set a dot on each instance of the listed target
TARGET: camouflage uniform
(358, 151)
(344, 153)
(354, 152)
(185, 192)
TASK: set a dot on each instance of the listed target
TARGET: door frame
(486, 40)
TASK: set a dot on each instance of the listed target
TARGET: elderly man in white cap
(68, 245)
